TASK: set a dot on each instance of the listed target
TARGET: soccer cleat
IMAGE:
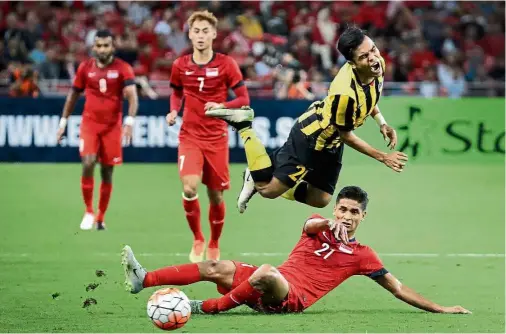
(197, 252)
(196, 307)
(100, 226)
(88, 221)
(239, 119)
(213, 254)
(134, 272)
(247, 191)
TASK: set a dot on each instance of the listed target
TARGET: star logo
(419, 134)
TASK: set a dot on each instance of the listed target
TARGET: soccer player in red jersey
(326, 255)
(105, 80)
(200, 82)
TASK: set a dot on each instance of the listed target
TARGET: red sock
(244, 293)
(87, 184)
(103, 201)
(216, 220)
(192, 211)
(175, 275)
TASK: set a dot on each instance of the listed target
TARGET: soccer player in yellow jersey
(307, 166)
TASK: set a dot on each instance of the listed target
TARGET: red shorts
(102, 140)
(206, 159)
(291, 304)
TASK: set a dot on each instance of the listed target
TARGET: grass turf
(429, 211)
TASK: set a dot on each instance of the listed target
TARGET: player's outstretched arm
(409, 296)
(394, 160)
(68, 108)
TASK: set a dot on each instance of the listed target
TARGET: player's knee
(322, 201)
(269, 191)
(265, 277)
(190, 190)
(211, 270)
(215, 196)
(88, 164)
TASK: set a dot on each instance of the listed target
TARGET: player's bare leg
(137, 278)
(192, 211)
(106, 172)
(87, 184)
(266, 283)
(216, 221)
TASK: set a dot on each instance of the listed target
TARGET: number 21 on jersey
(323, 251)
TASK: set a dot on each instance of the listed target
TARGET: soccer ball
(169, 309)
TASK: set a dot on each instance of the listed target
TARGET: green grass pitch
(432, 224)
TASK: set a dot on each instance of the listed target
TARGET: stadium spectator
(451, 76)
(24, 83)
(411, 36)
(50, 68)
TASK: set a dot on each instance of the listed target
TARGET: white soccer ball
(169, 309)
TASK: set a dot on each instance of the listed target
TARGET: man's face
(202, 34)
(349, 212)
(103, 48)
(366, 59)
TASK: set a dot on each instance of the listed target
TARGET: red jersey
(103, 89)
(319, 263)
(202, 84)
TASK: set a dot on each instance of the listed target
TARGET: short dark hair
(350, 40)
(355, 193)
(104, 33)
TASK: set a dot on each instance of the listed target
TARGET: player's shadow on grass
(247, 312)
(362, 311)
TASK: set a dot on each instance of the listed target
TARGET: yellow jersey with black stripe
(345, 108)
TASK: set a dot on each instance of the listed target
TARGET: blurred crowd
(285, 48)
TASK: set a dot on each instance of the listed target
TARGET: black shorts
(297, 160)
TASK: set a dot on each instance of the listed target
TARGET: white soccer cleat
(239, 118)
(134, 272)
(247, 191)
(88, 221)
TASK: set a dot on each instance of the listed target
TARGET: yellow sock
(256, 154)
(289, 193)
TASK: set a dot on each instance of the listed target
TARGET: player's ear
(352, 64)
(364, 214)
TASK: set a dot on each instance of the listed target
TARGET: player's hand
(171, 117)
(389, 132)
(456, 310)
(396, 161)
(127, 134)
(340, 231)
(213, 105)
(59, 134)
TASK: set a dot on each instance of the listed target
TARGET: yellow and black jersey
(345, 108)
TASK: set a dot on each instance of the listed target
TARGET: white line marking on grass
(255, 254)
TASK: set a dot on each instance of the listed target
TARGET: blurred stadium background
(439, 225)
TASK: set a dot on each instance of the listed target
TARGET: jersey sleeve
(342, 106)
(175, 76)
(128, 75)
(80, 79)
(371, 265)
(234, 75)
(313, 216)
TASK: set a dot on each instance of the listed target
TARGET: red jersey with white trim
(319, 263)
(103, 89)
(202, 84)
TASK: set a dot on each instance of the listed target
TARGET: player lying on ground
(326, 255)
(307, 166)
(202, 80)
(104, 80)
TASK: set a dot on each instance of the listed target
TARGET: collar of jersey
(202, 65)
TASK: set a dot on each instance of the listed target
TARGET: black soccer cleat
(239, 119)
(100, 226)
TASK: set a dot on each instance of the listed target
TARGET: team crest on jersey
(112, 74)
(212, 72)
